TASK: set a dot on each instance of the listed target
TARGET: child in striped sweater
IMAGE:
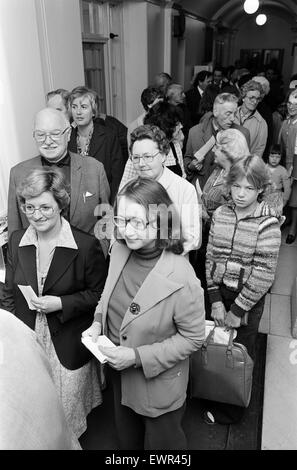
(242, 254)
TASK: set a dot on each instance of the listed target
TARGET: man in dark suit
(85, 176)
(193, 96)
(199, 157)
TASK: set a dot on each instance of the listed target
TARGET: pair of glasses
(46, 211)
(146, 158)
(41, 136)
(136, 223)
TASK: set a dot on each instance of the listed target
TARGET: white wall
(60, 43)
(136, 56)
(275, 34)
(21, 84)
(195, 38)
(40, 49)
(155, 19)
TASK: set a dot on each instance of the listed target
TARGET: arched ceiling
(231, 13)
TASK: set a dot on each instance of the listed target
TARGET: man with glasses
(85, 177)
(248, 116)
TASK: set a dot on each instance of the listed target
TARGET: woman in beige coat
(152, 308)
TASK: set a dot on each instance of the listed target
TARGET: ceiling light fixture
(251, 6)
(261, 19)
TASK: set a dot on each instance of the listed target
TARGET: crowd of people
(142, 233)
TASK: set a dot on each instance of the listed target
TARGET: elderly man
(199, 158)
(248, 116)
(85, 176)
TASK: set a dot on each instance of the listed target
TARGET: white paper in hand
(29, 295)
(93, 347)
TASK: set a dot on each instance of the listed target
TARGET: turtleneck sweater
(138, 266)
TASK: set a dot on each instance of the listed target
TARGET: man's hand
(195, 165)
(218, 313)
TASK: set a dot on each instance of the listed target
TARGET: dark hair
(207, 99)
(81, 92)
(148, 96)
(60, 91)
(154, 198)
(276, 148)
(153, 133)
(201, 76)
(45, 179)
(164, 115)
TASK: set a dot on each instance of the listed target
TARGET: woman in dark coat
(66, 269)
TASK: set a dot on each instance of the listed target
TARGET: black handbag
(222, 373)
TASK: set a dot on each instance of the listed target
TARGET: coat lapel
(27, 260)
(62, 258)
(75, 180)
(155, 288)
(97, 141)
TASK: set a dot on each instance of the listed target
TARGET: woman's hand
(120, 357)
(94, 330)
(232, 321)
(218, 313)
(47, 304)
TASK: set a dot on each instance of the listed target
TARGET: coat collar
(65, 239)
(156, 287)
(66, 251)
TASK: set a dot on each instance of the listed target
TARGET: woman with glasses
(152, 309)
(66, 269)
(149, 148)
(248, 116)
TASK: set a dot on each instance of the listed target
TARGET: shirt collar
(200, 90)
(64, 240)
(164, 179)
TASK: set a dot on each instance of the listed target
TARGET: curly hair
(252, 85)
(232, 143)
(46, 179)
(157, 204)
(153, 133)
(165, 116)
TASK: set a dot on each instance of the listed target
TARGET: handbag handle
(229, 355)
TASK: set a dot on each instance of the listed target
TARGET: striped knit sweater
(242, 255)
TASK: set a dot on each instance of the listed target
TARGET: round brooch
(134, 308)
